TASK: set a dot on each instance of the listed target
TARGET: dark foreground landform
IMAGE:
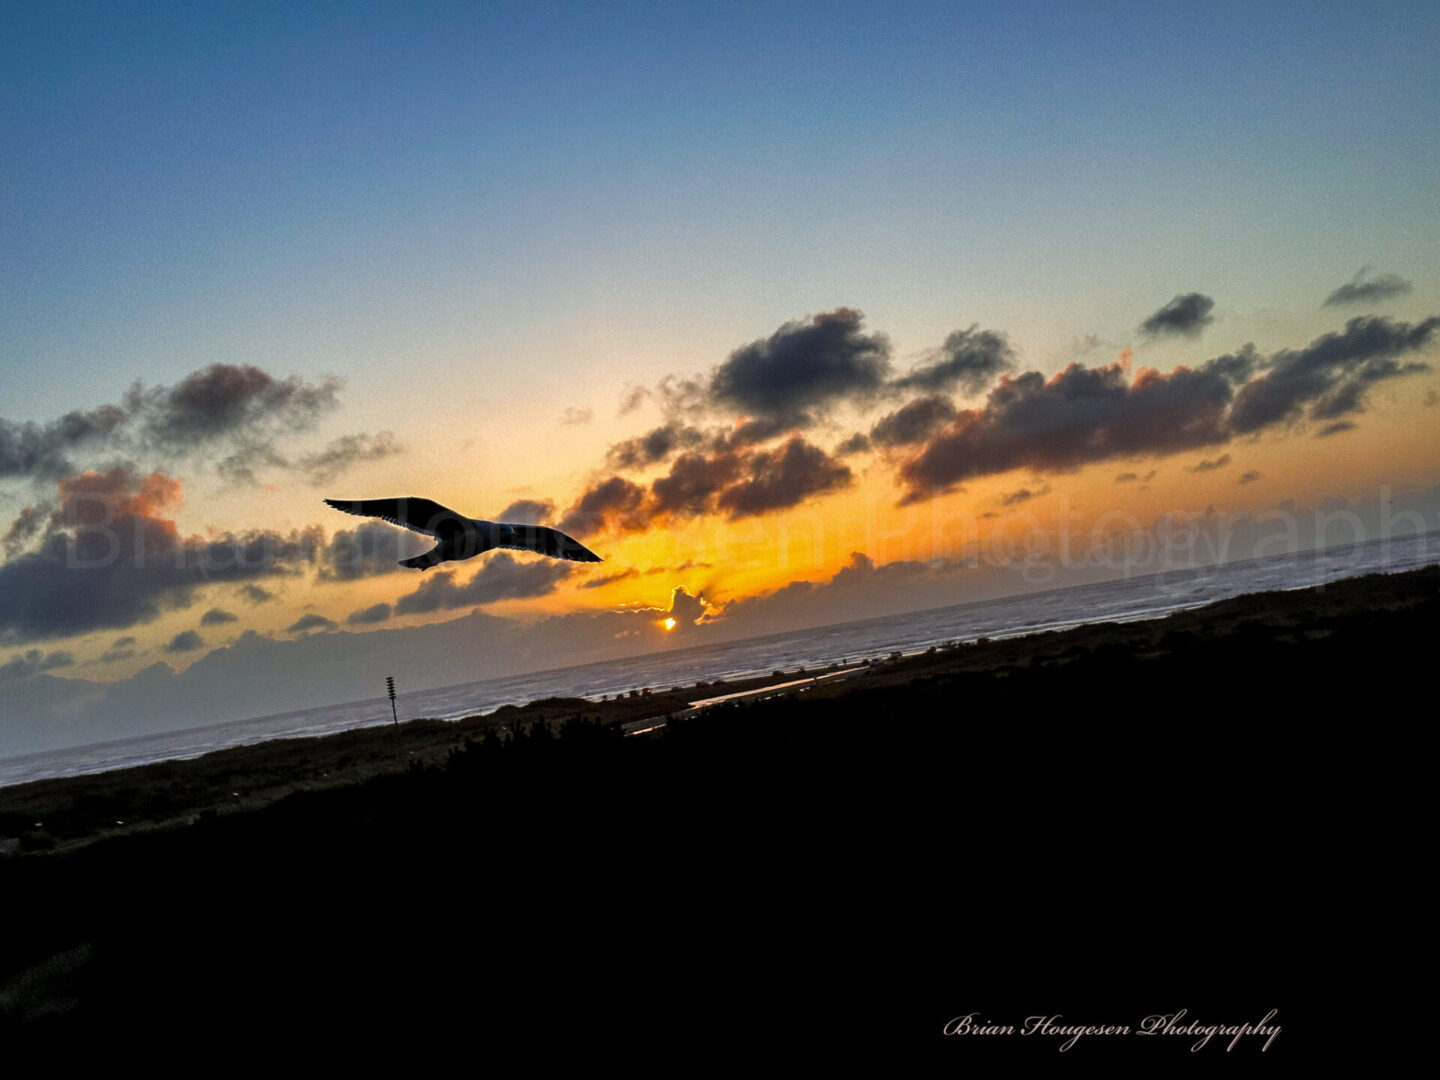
(1104, 823)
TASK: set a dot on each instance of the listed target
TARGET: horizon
(1193, 571)
(796, 315)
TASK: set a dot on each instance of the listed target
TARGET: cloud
(33, 662)
(503, 577)
(369, 549)
(685, 609)
(914, 422)
(610, 579)
(42, 450)
(1332, 374)
(1359, 291)
(527, 512)
(375, 613)
(122, 649)
(1079, 416)
(1249, 477)
(1084, 415)
(185, 641)
(654, 446)
(1015, 498)
(344, 453)
(1211, 466)
(217, 616)
(311, 623)
(256, 594)
(784, 477)
(694, 483)
(1185, 316)
(969, 361)
(803, 366)
(1335, 428)
(228, 412)
(612, 503)
(23, 529)
(855, 444)
(229, 399)
(573, 416)
(113, 558)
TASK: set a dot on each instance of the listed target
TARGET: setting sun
(669, 624)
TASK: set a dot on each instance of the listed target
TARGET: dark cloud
(1126, 477)
(33, 662)
(1185, 316)
(229, 399)
(855, 444)
(803, 366)
(311, 623)
(501, 578)
(1078, 416)
(610, 579)
(754, 432)
(228, 413)
(573, 416)
(23, 529)
(527, 512)
(1211, 466)
(685, 609)
(1335, 428)
(968, 361)
(1332, 375)
(693, 483)
(124, 642)
(632, 399)
(1024, 495)
(185, 641)
(654, 446)
(256, 594)
(784, 477)
(1084, 415)
(217, 616)
(1360, 291)
(347, 451)
(112, 558)
(914, 422)
(612, 503)
(1249, 477)
(42, 450)
(375, 613)
(369, 549)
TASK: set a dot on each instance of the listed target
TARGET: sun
(669, 624)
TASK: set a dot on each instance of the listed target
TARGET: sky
(793, 312)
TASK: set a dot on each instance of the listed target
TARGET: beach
(1090, 822)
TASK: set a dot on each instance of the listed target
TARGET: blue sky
(324, 187)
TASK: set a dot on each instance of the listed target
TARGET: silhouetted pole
(390, 686)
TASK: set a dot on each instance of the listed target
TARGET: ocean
(1122, 600)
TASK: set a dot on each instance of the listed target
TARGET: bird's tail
(425, 561)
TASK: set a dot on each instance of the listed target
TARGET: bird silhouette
(461, 537)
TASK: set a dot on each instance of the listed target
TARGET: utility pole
(390, 686)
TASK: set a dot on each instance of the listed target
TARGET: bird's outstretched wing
(550, 542)
(420, 515)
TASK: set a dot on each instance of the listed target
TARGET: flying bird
(461, 537)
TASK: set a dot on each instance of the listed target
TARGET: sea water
(1112, 601)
